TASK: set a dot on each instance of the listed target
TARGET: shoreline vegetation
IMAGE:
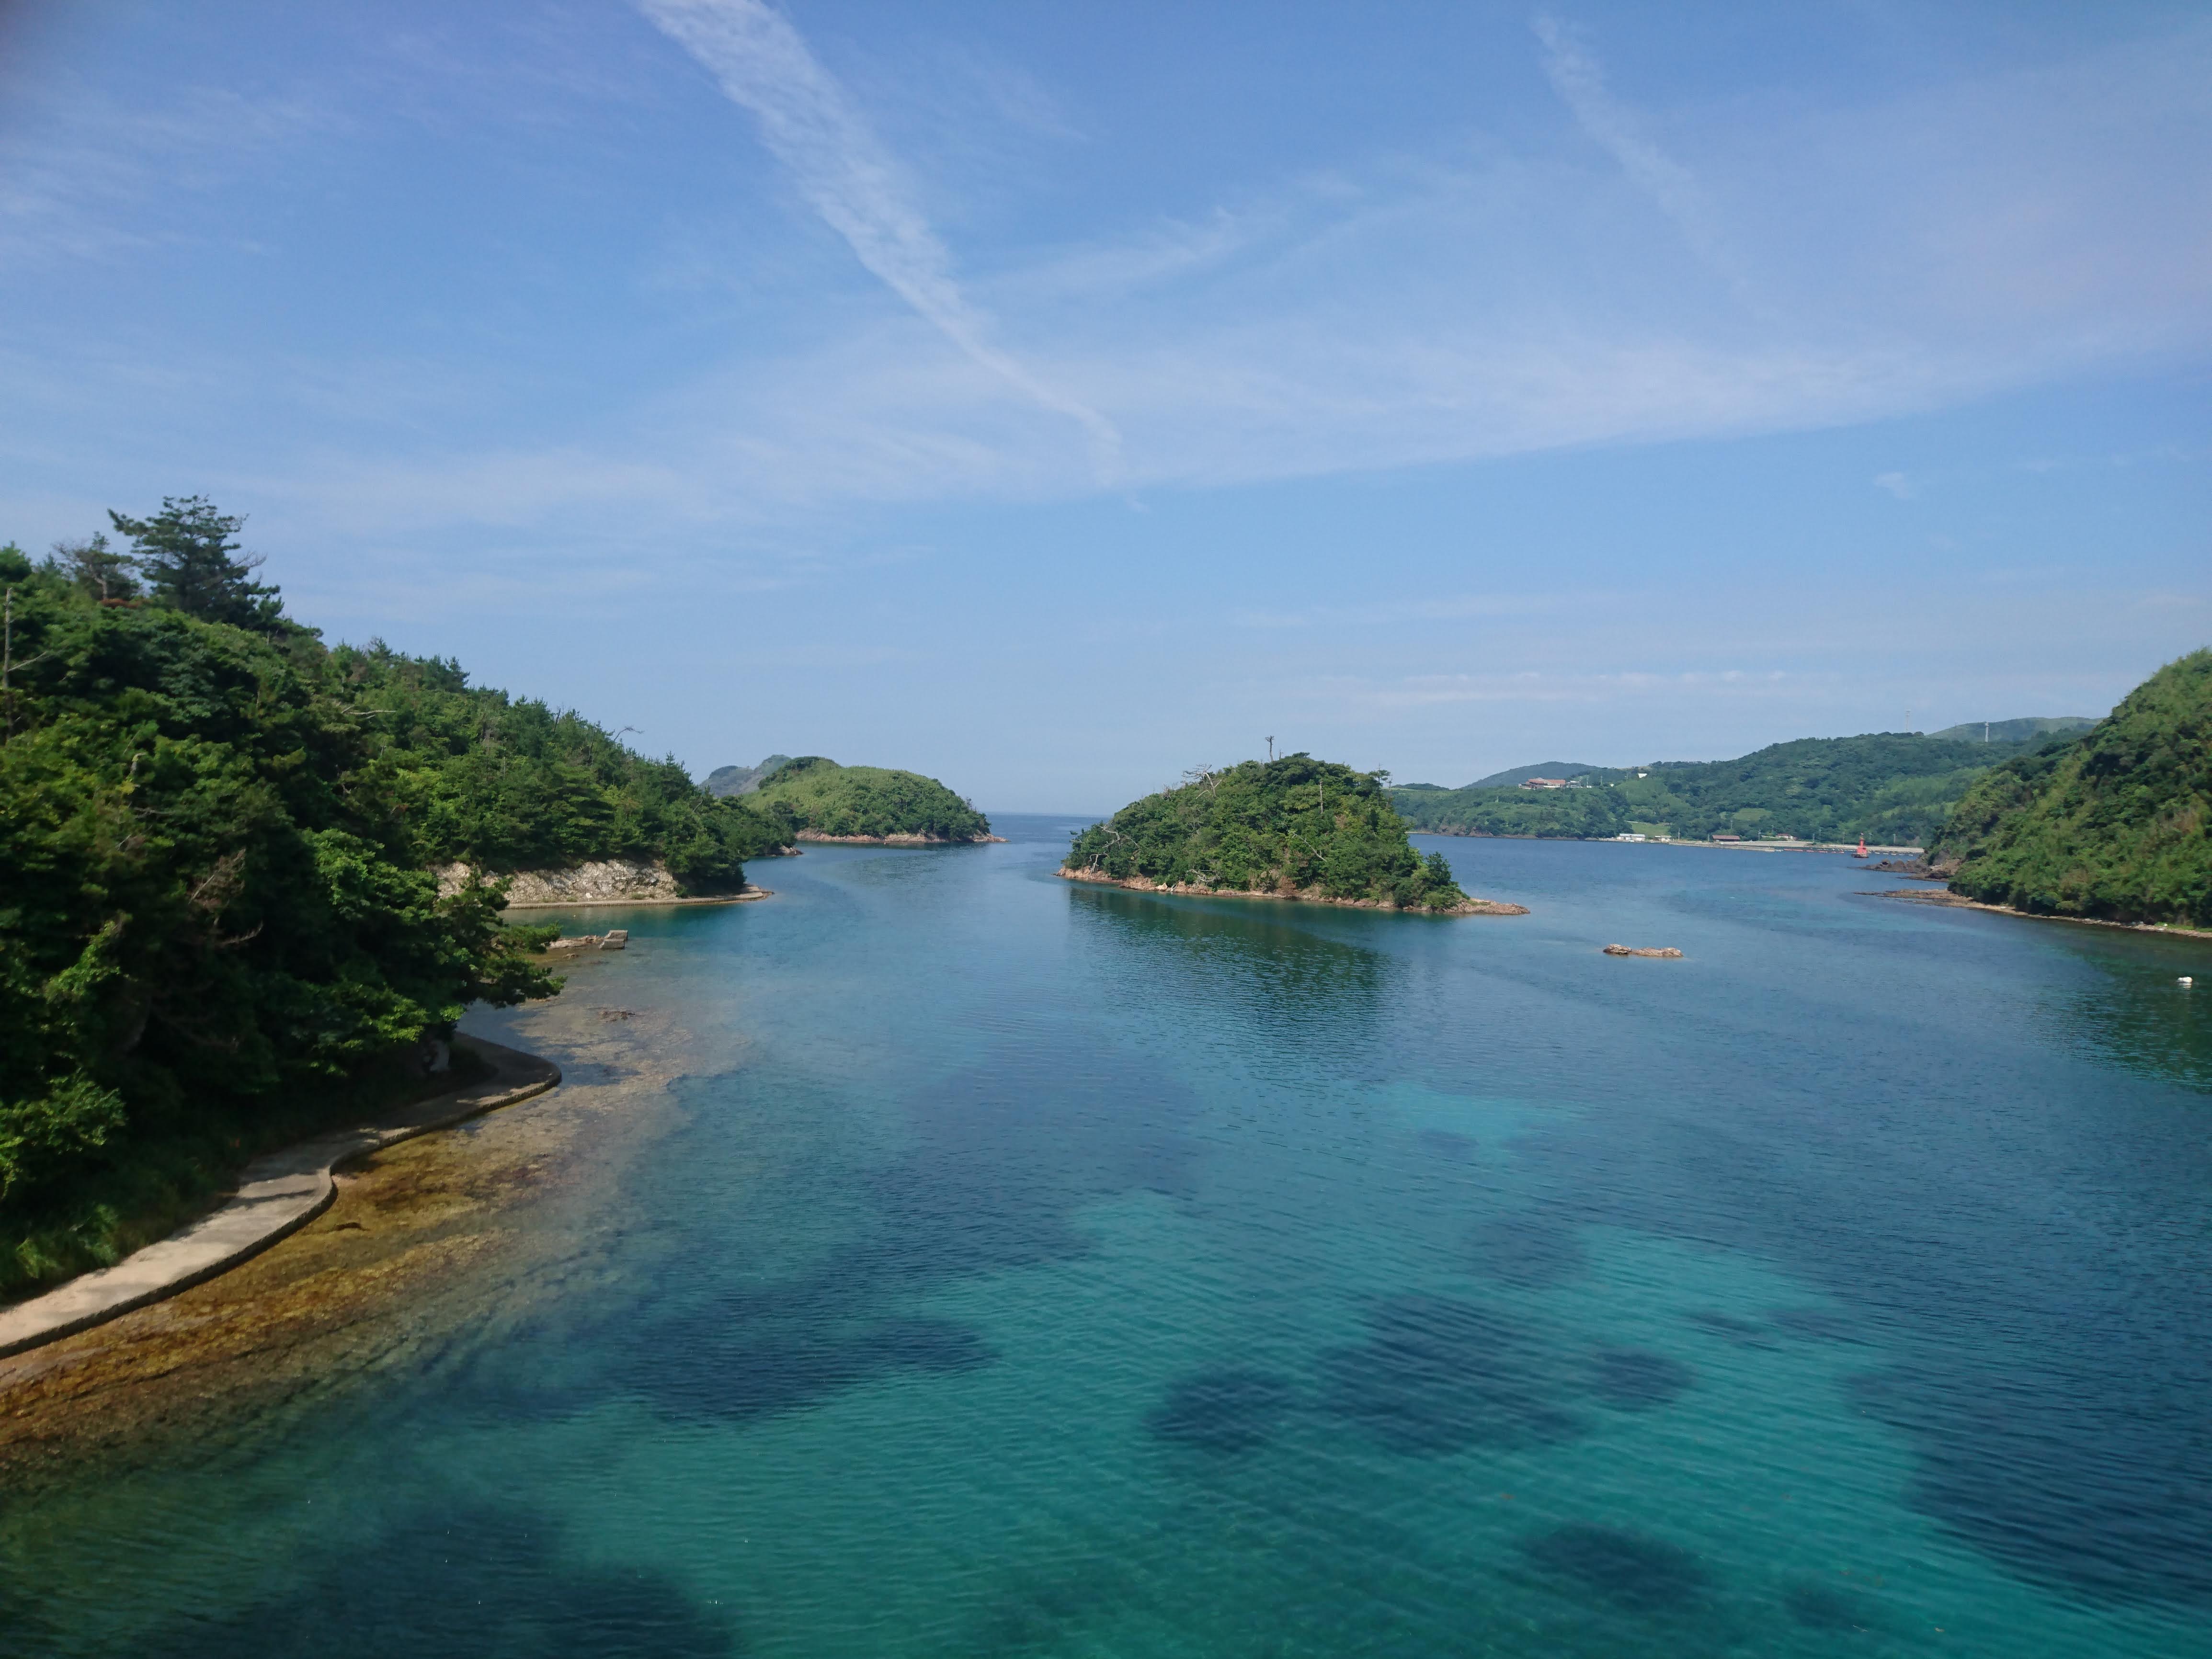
(221, 924)
(1293, 828)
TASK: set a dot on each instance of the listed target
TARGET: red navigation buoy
(1861, 846)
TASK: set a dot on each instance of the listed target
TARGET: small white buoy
(2184, 982)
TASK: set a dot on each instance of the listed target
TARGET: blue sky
(1051, 398)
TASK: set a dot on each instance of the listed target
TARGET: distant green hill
(2115, 823)
(868, 802)
(1296, 828)
(1896, 787)
(744, 780)
(2019, 731)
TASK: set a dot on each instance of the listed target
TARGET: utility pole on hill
(1271, 749)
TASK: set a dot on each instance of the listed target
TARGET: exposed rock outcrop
(1641, 950)
(604, 881)
(898, 841)
(618, 940)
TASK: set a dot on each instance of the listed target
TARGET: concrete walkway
(277, 1194)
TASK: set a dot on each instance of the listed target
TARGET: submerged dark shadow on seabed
(1437, 1375)
(2081, 1468)
(1003, 1155)
(1626, 1569)
(447, 1582)
(1222, 1413)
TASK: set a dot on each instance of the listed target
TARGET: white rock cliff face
(606, 881)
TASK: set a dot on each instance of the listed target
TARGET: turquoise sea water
(1065, 1271)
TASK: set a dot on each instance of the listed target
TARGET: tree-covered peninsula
(2115, 825)
(830, 802)
(219, 922)
(1294, 828)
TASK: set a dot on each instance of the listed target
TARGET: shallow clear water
(1063, 1270)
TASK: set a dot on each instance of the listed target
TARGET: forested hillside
(505, 784)
(1296, 826)
(2116, 823)
(826, 799)
(1895, 787)
(218, 923)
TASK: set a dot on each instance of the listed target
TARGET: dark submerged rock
(1634, 1380)
(1744, 1332)
(1437, 1376)
(1223, 1412)
(1528, 1249)
(1627, 1570)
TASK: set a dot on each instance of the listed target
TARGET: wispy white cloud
(1898, 484)
(83, 177)
(1968, 237)
(811, 124)
(1579, 79)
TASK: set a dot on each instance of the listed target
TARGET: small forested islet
(830, 802)
(1293, 827)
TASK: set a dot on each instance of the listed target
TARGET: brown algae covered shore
(468, 1230)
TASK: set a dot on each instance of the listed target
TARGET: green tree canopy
(100, 569)
(218, 911)
(189, 552)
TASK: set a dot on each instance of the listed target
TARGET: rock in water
(1641, 950)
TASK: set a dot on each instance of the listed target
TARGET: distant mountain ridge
(1892, 787)
(2025, 729)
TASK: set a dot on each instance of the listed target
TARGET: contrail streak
(810, 126)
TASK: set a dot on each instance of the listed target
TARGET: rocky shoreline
(436, 1236)
(898, 840)
(1474, 907)
(1951, 901)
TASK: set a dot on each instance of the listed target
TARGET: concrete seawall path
(277, 1194)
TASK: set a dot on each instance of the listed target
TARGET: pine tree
(101, 570)
(190, 554)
